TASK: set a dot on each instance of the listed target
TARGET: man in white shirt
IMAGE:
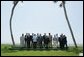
(34, 40)
(22, 41)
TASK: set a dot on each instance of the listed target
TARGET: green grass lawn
(71, 52)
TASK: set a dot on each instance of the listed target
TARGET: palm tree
(63, 4)
(15, 3)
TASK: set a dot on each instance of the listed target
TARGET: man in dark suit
(46, 40)
(61, 41)
(50, 40)
(41, 39)
(28, 39)
(65, 41)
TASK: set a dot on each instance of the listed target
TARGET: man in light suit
(22, 41)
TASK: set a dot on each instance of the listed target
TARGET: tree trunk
(15, 3)
(69, 25)
(11, 22)
(11, 26)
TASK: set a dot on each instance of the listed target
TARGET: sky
(41, 17)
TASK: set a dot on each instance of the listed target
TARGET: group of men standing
(45, 41)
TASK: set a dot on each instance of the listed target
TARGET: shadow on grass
(32, 49)
(75, 50)
(7, 49)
